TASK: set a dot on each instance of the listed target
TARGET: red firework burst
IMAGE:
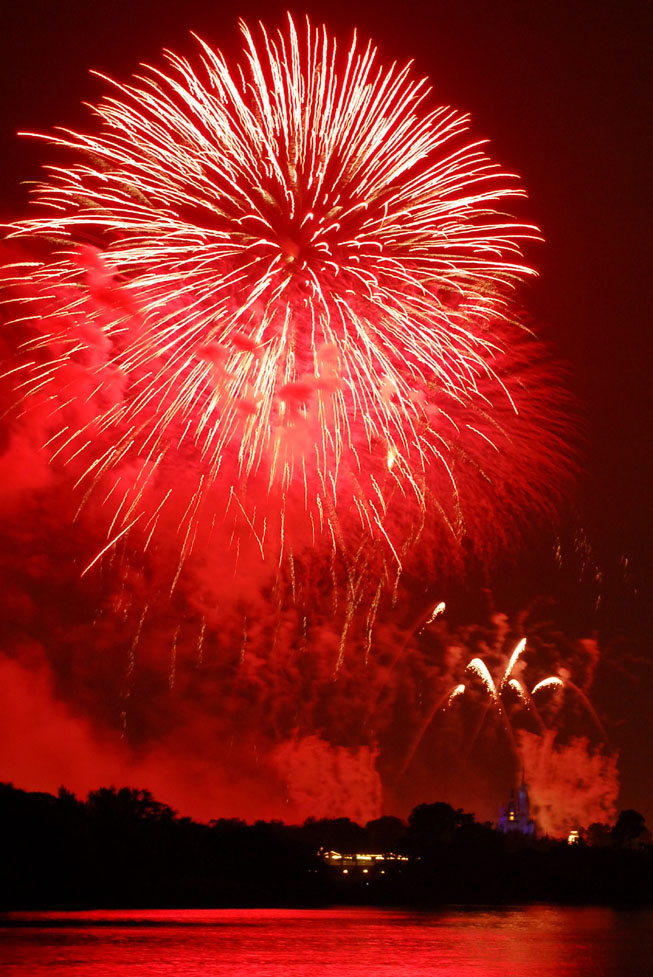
(292, 279)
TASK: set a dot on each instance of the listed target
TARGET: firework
(283, 297)
(477, 667)
(267, 357)
(496, 689)
(552, 682)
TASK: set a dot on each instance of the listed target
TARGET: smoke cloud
(572, 785)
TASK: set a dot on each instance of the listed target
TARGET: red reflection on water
(536, 941)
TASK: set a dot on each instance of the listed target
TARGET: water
(533, 941)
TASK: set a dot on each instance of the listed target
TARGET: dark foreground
(124, 849)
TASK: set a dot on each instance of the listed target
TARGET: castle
(516, 816)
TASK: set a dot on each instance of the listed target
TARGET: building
(363, 863)
(516, 816)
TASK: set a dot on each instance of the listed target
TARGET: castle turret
(516, 816)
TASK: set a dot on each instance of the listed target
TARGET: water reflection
(536, 941)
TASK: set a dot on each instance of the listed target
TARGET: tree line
(121, 848)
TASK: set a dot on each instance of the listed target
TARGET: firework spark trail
(495, 690)
(478, 667)
(552, 682)
(295, 279)
(588, 705)
(555, 682)
(512, 661)
(447, 698)
(459, 689)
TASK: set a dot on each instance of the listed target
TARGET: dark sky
(563, 92)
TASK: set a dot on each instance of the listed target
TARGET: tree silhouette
(630, 830)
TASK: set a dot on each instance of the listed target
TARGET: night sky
(563, 93)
